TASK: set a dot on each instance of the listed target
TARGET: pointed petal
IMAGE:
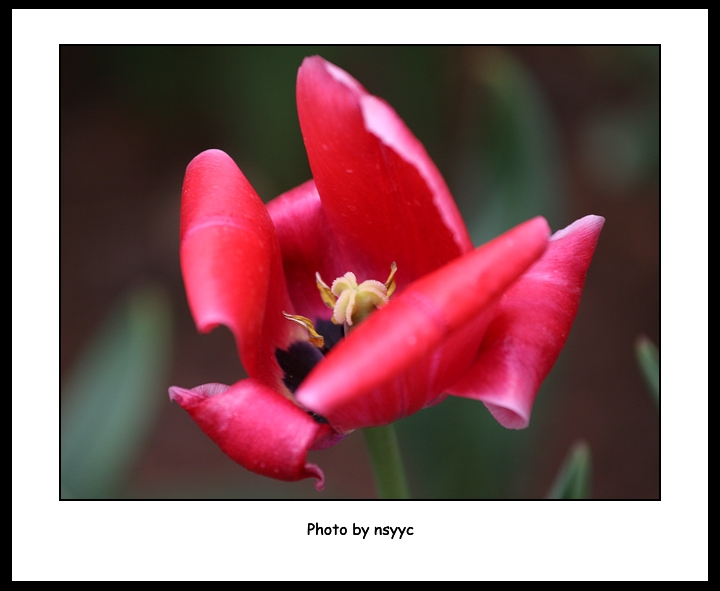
(531, 326)
(382, 194)
(405, 355)
(308, 246)
(258, 429)
(231, 264)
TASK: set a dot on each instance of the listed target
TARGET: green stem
(386, 462)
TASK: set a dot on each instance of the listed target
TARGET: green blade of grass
(112, 396)
(573, 480)
(648, 358)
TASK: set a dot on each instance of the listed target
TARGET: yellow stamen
(390, 283)
(315, 338)
(325, 292)
(351, 303)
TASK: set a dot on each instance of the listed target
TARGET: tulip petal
(383, 196)
(308, 247)
(402, 356)
(258, 429)
(230, 259)
(530, 327)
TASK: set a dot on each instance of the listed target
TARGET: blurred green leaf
(511, 168)
(573, 481)
(112, 396)
(648, 358)
(458, 450)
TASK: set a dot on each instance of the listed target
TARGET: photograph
(231, 216)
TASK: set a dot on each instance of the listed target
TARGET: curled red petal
(531, 325)
(382, 194)
(433, 330)
(308, 246)
(256, 427)
(231, 263)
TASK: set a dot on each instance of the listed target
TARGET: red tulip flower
(357, 298)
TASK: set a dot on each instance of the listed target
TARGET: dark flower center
(299, 359)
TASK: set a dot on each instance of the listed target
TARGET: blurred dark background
(559, 131)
